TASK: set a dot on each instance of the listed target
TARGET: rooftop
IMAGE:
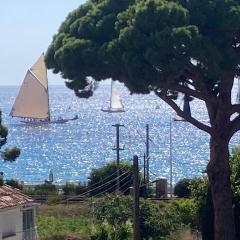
(11, 197)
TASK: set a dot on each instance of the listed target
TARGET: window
(28, 225)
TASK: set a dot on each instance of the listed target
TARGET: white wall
(11, 222)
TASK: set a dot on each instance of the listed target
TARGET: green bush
(108, 232)
(14, 183)
(81, 188)
(45, 189)
(157, 219)
(116, 210)
(69, 189)
(107, 175)
(182, 188)
(52, 228)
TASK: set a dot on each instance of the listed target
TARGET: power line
(95, 184)
(84, 194)
(114, 185)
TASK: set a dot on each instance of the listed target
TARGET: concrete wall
(11, 222)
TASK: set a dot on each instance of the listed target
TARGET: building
(17, 215)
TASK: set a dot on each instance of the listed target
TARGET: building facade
(17, 215)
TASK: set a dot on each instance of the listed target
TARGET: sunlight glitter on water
(71, 150)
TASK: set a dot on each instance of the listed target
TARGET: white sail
(32, 100)
(115, 101)
(238, 93)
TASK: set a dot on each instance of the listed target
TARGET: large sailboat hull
(41, 122)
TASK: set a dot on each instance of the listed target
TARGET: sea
(73, 149)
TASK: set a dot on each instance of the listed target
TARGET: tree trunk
(219, 177)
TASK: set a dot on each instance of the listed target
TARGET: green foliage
(51, 228)
(235, 167)
(108, 232)
(45, 189)
(73, 189)
(14, 183)
(9, 154)
(142, 42)
(1, 182)
(114, 210)
(53, 198)
(69, 188)
(100, 233)
(81, 188)
(199, 189)
(235, 179)
(182, 189)
(157, 219)
(103, 179)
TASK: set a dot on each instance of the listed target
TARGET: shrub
(115, 210)
(108, 232)
(14, 183)
(182, 188)
(81, 188)
(107, 175)
(45, 189)
(69, 189)
(157, 219)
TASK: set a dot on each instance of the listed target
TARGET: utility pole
(147, 157)
(144, 176)
(136, 211)
(170, 155)
(117, 149)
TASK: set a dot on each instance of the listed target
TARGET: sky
(26, 30)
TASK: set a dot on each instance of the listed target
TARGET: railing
(30, 235)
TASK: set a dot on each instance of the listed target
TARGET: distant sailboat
(32, 102)
(115, 101)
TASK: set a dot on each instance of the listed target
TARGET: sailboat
(32, 101)
(116, 104)
(238, 93)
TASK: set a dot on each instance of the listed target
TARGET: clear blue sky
(26, 30)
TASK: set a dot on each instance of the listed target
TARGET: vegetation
(169, 47)
(182, 189)
(9, 154)
(64, 222)
(157, 219)
(111, 218)
(14, 183)
(104, 179)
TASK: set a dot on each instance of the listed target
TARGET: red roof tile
(10, 197)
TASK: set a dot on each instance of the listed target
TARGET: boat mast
(49, 117)
(111, 94)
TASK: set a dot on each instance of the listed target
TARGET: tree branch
(163, 95)
(235, 108)
(190, 92)
(235, 125)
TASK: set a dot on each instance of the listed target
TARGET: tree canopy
(145, 43)
(169, 47)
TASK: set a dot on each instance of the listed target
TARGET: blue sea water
(71, 150)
